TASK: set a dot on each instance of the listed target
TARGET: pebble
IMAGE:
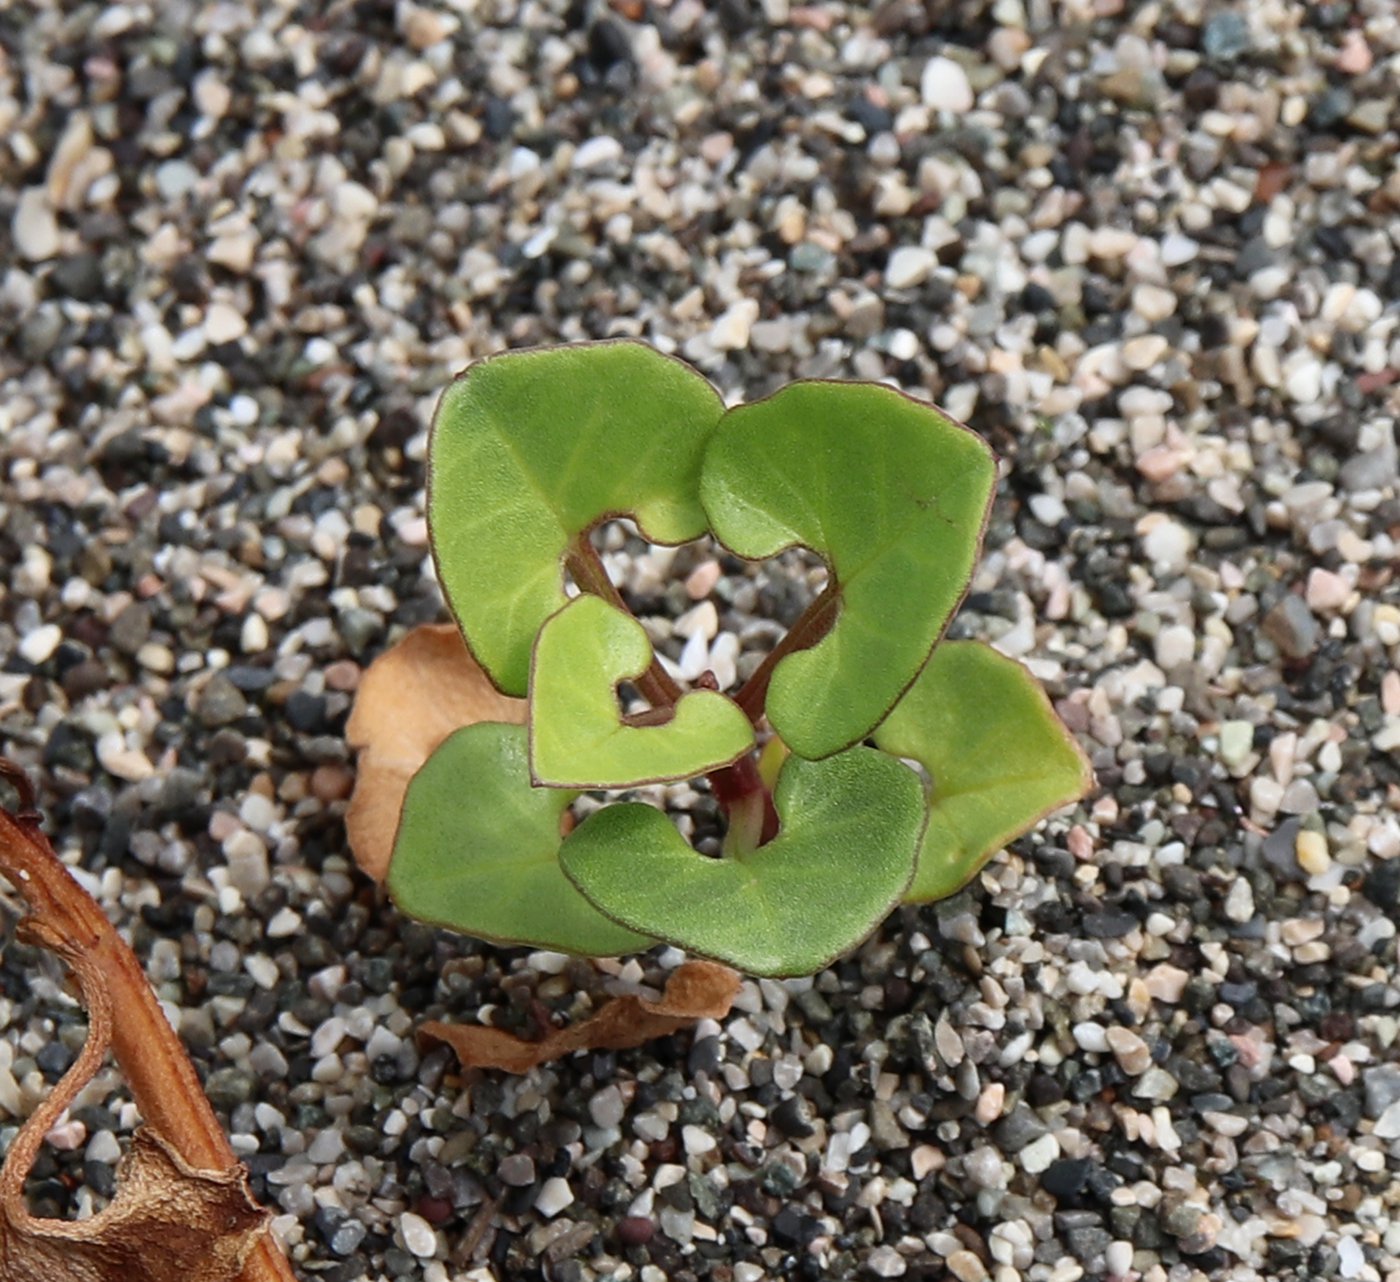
(731, 330)
(34, 226)
(419, 1237)
(1239, 903)
(555, 1196)
(1312, 853)
(517, 1170)
(1134, 1056)
(909, 265)
(944, 86)
(38, 646)
(1167, 544)
(1236, 742)
(966, 1267)
(1292, 627)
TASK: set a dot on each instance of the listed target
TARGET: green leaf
(999, 758)
(894, 495)
(577, 736)
(529, 450)
(477, 850)
(850, 829)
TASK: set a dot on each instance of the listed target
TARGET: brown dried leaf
(409, 700)
(167, 1223)
(695, 990)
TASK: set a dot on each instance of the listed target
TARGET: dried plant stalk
(122, 1008)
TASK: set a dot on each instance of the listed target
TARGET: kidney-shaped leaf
(894, 495)
(577, 736)
(850, 830)
(528, 450)
(477, 850)
(999, 758)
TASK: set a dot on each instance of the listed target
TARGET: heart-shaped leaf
(528, 451)
(477, 850)
(577, 736)
(895, 496)
(850, 829)
(999, 757)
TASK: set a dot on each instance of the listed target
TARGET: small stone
(702, 579)
(1226, 36)
(1037, 1156)
(1145, 351)
(944, 86)
(554, 1196)
(1132, 1053)
(908, 266)
(607, 1108)
(597, 152)
(1175, 646)
(38, 646)
(418, 1235)
(1291, 626)
(1382, 1087)
(517, 1170)
(1236, 742)
(1239, 903)
(1312, 854)
(34, 226)
(246, 856)
(731, 331)
(1168, 544)
(1388, 1124)
(886, 1262)
(966, 1267)
(219, 702)
(1153, 302)
(1354, 58)
(635, 1230)
(1303, 380)
(1157, 1085)
(1326, 591)
(1166, 983)
(223, 324)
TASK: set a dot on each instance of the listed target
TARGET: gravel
(1149, 253)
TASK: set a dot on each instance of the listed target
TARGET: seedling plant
(866, 762)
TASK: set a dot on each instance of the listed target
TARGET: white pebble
(1039, 1154)
(1236, 742)
(596, 152)
(731, 331)
(34, 227)
(1176, 645)
(1168, 544)
(1239, 903)
(944, 86)
(1153, 302)
(908, 266)
(554, 1197)
(223, 324)
(247, 862)
(1303, 380)
(418, 1235)
(38, 646)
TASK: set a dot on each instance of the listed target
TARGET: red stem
(731, 784)
(813, 624)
